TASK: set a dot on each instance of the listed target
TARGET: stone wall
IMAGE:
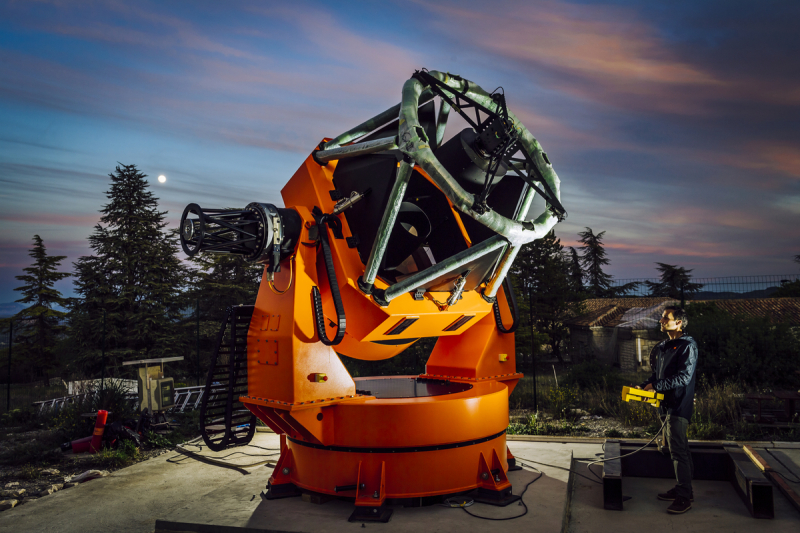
(635, 353)
(614, 346)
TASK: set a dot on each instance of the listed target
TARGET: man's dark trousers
(677, 438)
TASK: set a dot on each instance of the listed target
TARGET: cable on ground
(589, 466)
(466, 502)
(219, 461)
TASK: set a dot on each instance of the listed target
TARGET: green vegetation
(130, 299)
(751, 351)
(70, 420)
(123, 455)
(594, 388)
(548, 291)
(38, 326)
(675, 282)
(536, 425)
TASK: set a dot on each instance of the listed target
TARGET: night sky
(674, 126)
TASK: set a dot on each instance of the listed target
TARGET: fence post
(533, 350)
(103, 375)
(8, 379)
(198, 341)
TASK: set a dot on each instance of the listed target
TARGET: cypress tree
(133, 277)
(39, 325)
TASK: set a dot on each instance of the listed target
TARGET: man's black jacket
(674, 363)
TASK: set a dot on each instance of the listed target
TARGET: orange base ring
(450, 439)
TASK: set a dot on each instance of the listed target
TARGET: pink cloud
(166, 32)
(44, 218)
(602, 54)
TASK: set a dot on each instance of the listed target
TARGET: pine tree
(788, 289)
(673, 280)
(133, 278)
(39, 325)
(222, 280)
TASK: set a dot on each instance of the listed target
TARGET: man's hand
(649, 386)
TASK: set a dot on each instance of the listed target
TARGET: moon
(162, 178)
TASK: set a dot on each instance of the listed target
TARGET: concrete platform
(238, 506)
(176, 493)
(716, 507)
(130, 500)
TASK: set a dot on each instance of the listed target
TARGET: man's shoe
(671, 495)
(679, 506)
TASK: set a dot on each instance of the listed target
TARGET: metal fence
(192, 371)
(723, 288)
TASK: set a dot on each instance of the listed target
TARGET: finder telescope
(260, 232)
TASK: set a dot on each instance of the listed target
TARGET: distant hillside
(11, 309)
(711, 295)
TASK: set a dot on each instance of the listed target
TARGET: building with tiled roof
(622, 331)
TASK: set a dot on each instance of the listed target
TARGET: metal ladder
(224, 421)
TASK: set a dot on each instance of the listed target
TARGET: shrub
(114, 398)
(746, 350)
(614, 433)
(719, 404)
(637, 414)
(707, 431)
(156, 440)
(593, 373)
(42, 449)
(125, 454)
(29, 472)
(19, 417)
(534, 426)
(561, 400)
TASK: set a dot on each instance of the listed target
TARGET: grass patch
(113, 398)
(30, 472)
(561, 400)
(125, 454)
(535, 426)
(42, 449)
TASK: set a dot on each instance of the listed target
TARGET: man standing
(674, 362)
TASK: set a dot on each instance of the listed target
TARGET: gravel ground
(63, 466)
(587, 425)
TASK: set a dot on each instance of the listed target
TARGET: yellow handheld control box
(629, 394)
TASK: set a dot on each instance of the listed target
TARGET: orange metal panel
(340, 438)
(451, 358)
(312, 183)
(406, 475)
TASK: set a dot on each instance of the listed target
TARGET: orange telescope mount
(389, 234)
